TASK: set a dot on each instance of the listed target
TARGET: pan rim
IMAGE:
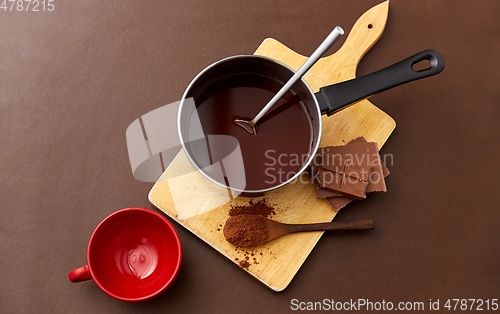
(315, 145)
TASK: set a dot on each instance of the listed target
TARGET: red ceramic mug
(134, 254)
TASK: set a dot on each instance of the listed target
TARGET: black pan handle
(335, 97)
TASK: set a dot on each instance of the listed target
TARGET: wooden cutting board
(202, 207)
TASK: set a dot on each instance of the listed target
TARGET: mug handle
(338, 96)
(80, 274)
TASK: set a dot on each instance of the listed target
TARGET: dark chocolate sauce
(284, 135)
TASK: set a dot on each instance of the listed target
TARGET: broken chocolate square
(336, 163)
(336, 203)
(337, 200)
(322, 193)
(362, 140)
(345, 177)
(363, 153)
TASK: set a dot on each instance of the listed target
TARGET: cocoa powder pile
(246, 226)
(246, 230)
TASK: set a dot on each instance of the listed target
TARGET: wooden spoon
(250, 230)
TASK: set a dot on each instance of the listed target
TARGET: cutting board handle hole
(370, 26)
(421, 65)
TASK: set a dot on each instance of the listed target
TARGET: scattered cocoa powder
(259, 208)
(244, 264)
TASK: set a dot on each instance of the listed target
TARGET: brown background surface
(72, 80)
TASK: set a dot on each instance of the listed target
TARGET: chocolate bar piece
(362, 140)
(350, 180)
(322, 193)
(362, 153)
(336, 203)
(336, 163)
(372, 187)
(315, 164)
(334, 199)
